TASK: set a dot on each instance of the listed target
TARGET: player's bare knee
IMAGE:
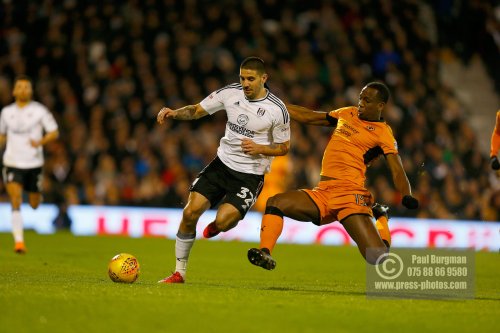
(271, 201)
(276, 201)
(190, 216)
(16, 203)
(34, 204)
(227, 219)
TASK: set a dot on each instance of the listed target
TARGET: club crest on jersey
(261, 112)
(370, 128)
(242, 119)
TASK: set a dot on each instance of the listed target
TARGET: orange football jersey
(354, 144)
(495, 137)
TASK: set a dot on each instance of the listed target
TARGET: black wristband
(410, 202)
(333, 121)
(495, 164)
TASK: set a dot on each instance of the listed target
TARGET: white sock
(17, 226)
(183, 245)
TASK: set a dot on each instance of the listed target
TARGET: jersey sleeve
(334, 114)
(281, 132)
(48, 121)
(281, 127)
(388, 143)
(215, 101)
(3, 125)
(338, 113)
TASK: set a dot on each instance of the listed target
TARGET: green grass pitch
(61, 285)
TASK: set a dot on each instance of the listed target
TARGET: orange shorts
(337, 199)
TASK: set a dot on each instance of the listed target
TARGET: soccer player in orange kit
(360, 136)
(495, 144)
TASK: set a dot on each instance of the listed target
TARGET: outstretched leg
(34, 199)
(362, 230)
(15, 191)
(186, 235)
(227, 218)
(294, 204)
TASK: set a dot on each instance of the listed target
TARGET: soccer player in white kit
(257, 128)
(25, 126)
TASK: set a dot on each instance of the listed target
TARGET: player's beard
(23, 97)
(249, 93)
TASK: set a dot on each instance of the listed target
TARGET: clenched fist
(163, 114)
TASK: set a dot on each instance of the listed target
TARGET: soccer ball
(124, 268)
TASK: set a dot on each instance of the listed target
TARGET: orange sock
(382, 226)
(270, 231)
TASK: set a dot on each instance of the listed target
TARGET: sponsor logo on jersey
(240, 130)
(21, 130)
(261, 112)
(370, 128)
(346, 130)
(236, 103)
(242, 119)
(347, 126)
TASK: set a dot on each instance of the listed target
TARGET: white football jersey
(20, 125)
(265, 121)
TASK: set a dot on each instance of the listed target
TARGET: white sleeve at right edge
(48, 121)
(3, 128)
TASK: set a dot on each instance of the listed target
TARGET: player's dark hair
(254, 63)
(383, 92)
(23, 77)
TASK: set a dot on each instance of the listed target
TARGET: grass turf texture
(61, 285)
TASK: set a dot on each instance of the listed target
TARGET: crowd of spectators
(105, 70)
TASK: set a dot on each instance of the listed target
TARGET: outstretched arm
(307, 116)
(401, 180)
(188, 112)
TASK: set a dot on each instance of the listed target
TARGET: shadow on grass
(284, 289)
(321, 291)
(496, 299)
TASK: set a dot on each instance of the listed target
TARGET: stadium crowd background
(105, 70)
